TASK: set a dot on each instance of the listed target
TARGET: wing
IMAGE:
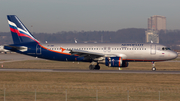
(86, 54)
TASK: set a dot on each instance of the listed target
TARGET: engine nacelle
(115, 62)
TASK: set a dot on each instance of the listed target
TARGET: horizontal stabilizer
(20, 48)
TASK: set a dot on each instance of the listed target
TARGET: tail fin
(20, 33)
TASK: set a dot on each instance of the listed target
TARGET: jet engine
(115, 62)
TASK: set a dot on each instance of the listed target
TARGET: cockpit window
(166, 48)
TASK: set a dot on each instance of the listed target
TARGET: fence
(86, 93)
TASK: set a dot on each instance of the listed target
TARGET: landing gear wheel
(154, 69)
(97, 67)
(94, 67)
(153, 66)
(91, 67)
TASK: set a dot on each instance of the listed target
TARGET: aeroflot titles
(132, 44)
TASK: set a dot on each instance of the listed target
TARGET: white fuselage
(128, 51)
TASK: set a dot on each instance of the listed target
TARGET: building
(152, 36)
(157, 23)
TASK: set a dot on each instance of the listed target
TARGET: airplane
(110, 54)
(2, 50)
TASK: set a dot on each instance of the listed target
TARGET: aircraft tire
(97, 67)
(154, 69)
(91, 67)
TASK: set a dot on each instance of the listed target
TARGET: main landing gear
(153, 66)
(94, 67)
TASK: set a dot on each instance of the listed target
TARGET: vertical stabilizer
(20, 33)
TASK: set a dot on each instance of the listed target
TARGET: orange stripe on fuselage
(56, 51)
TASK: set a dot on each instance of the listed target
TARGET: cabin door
(38, 49)
(153, 49)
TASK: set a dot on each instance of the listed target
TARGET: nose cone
(174, 55)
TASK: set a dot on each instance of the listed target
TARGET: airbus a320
(110, 54)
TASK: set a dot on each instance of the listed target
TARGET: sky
(51, 16)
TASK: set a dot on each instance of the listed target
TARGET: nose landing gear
(153, 66)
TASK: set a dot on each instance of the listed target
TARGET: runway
(18, 57)
(89, 71)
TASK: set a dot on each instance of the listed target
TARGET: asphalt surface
(15, 56)
(89, 71)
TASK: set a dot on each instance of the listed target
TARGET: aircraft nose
(174, 55)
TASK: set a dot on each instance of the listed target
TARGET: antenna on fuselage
(151, 41)
(75, 40)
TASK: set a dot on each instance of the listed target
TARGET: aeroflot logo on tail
(132, 44)
(19, 31)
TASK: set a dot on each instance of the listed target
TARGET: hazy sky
(52, 16)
